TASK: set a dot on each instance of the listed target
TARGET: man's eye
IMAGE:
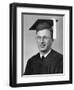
(46, 38)
(38, 37)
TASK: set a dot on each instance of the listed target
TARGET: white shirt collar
(45, 54)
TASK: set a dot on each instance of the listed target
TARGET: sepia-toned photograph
(40, 45)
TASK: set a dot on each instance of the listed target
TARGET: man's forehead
(44, 32)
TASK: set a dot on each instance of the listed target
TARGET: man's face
(44, 40)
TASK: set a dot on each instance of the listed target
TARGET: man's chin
(43, 50)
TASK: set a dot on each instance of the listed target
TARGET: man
(47, 61)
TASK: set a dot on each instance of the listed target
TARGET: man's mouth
(42, 45)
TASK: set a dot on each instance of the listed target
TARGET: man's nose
(42, 39)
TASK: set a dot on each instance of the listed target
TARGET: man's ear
(36, 36)
(53, 40)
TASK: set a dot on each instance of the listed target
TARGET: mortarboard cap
(42, 24)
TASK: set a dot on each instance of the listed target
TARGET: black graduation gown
(52, 64)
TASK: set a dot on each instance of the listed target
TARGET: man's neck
(45, 54)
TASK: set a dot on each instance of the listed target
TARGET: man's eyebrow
(43, 36)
